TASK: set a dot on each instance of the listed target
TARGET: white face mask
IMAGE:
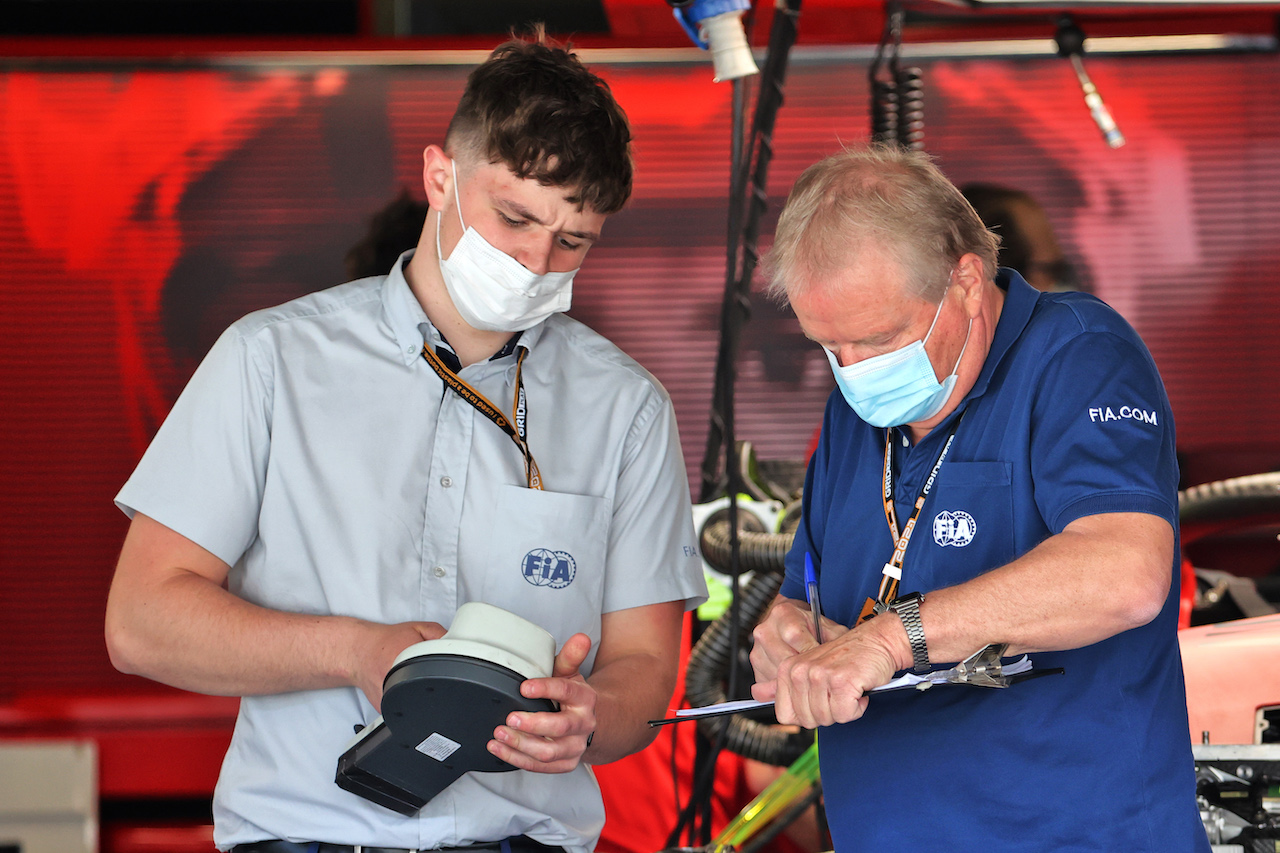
(492, 290)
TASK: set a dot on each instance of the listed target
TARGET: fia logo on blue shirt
(954, 528)
(555, 569)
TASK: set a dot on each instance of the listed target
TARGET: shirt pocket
(544, 559)
(969, 520)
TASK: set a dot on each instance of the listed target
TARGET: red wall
(143, 209)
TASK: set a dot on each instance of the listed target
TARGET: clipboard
(982, 669)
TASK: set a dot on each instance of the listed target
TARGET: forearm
(169, 618)
(1099, 577)
(189, 633)
(1094, 580)
(630, 691)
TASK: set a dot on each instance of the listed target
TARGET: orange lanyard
(517, 430)
(891, 575)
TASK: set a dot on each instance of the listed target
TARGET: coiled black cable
(884, 112)
(897, 94)
(910, 95)
(882, 79)
(715, 651)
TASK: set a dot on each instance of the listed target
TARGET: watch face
(906, 600)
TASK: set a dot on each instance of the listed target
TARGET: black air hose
(1223, 506)
(709, 662)
(1229, 499)
(757, 552)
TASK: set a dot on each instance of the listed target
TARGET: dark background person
(996, 466)
(393, 230)
(1028, 243)
(319, 498)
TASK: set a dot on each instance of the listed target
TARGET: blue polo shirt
(1068, 418)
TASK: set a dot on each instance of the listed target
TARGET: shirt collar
(412, 328)
(402, 311)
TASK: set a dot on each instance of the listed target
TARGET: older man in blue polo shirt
(997, 465)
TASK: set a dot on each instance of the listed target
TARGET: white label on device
(438, 747)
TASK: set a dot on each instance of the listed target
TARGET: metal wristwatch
(908, 609)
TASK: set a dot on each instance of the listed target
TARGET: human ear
(437, 176)
(972, 278)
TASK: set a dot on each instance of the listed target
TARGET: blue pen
(811, 592)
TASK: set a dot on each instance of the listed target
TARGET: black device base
(439, 712)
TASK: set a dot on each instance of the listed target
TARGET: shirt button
(905, 443)
(446, 481)
(410, 350)
(438, 571)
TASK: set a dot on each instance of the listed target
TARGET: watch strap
(908, 609)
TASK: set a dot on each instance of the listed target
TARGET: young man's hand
(552, 741)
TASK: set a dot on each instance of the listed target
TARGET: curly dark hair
(535, 107)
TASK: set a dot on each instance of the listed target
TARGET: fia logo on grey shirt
(542, 567)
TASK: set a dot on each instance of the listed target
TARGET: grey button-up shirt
(319, 455)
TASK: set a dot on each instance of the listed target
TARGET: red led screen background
(143, 209)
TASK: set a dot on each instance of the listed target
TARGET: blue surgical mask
(897, 387)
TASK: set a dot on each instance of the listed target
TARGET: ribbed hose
(757, 552)
(1226, 499)
(709, 662)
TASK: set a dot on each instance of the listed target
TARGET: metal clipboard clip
(983, 668)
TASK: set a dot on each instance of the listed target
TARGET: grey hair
(884, 197)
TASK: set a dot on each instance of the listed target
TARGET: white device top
(490, 633)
